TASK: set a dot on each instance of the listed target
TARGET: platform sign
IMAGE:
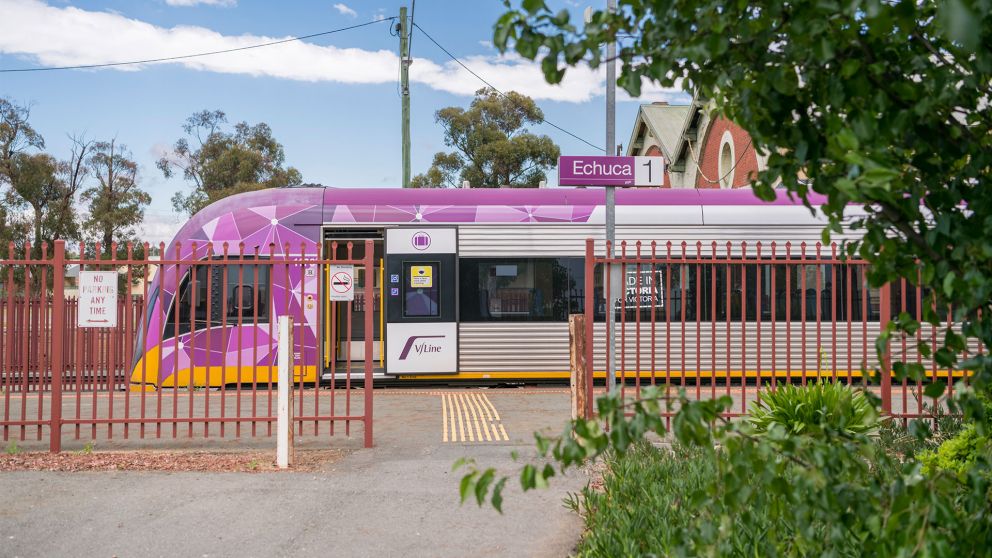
(421, 276)
(598, 170)
(97, 299)
(647, 292)
(342, 286)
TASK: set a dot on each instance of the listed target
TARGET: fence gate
(738, 319)
(188, 348)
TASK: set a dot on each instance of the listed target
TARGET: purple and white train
(472, 284)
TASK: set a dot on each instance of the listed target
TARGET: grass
(87, 448)
(645, 502)
(12, 448)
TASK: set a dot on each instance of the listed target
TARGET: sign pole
(611, 93)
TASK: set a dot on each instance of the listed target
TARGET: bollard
(285, 451)
(578, 365)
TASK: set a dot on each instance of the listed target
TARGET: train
(476, 285)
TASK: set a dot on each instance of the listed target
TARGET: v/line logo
(422, 347)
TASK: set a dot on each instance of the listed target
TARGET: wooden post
(577, 359)
(285, 450)
(58, 357)
(884, 317)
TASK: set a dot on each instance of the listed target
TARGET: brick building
(700, 151)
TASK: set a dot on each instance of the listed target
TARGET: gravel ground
(243, 462)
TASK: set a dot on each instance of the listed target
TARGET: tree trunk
(108, 240)
(37, 231)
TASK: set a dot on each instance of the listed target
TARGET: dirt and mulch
(172, 461)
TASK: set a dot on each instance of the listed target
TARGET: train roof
(296, 215)
(553, 196)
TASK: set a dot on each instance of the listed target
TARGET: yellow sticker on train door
(421, 276)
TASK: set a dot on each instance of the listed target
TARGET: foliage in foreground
(815, 409)
(773, 494)
(875, 103)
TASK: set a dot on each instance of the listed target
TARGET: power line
(171, 58)
(493, 87)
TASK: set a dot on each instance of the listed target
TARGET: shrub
(737, 494)
(908, 442)
(958, 454)
(815, 409)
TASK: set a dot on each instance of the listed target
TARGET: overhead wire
(494, 88)
(726, 174)
(196, 55)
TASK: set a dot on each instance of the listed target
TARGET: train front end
(222, 283)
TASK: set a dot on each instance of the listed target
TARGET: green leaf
(549, 65)
(533, 6)
(934, 390)
(847, 140)
(949, 284)
(465, 487)
(502, 32)
(631, 83)
(482, 485)
(497, 499)
(528, 477)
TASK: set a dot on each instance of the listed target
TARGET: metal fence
(737, 319)
(193, 352)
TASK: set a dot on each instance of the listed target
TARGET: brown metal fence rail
(205, 367)
(738, 319)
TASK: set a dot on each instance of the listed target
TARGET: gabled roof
(691, 122)
(665, 122)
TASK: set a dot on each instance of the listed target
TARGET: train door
(421, 326)
(344, 322)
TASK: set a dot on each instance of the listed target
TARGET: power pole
(611, 235)
(405, 92)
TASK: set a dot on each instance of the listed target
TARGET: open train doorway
(344, 323)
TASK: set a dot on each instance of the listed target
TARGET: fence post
(884, 317)
(577, 359)
(284, 422)
(590, 318)
(58, 358)
(369, 311)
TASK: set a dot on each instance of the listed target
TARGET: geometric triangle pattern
(272, 223)
(269, 224)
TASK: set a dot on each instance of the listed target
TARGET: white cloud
(487, 44)
(224, 3)
(345, 10)
(379, 15)
(159, 227)
(71, 36)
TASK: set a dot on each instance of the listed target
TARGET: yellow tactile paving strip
(469, 416)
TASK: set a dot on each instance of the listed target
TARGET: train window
(707, 292)
(421, 292)
(220, 293)
(524, 289)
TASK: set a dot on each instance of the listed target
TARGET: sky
(332, 101)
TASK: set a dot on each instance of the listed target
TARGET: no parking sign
(342, 287)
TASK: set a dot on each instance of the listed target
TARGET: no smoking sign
(342, 285)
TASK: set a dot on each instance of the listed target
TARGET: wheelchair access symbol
(342, 282)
